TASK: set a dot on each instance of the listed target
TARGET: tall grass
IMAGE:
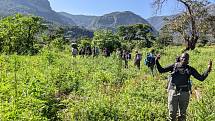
(56, 86)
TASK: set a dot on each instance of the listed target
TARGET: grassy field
(55, 86)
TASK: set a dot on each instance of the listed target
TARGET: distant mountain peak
(110, 20)
(114, 19)
(35, 7)
(118, 12)
(158, 21)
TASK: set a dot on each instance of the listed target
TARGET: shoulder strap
(188, 69)
(175, 67)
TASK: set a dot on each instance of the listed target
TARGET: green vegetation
(106, 39)
(55, 86)
(140, 34)
(40, 80)
(18, 34)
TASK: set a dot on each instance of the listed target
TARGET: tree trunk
(191, 41)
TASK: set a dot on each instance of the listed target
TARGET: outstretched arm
(160, 68)
(202, 77)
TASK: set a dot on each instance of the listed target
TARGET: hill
(80, 20)
(42, 8)
(107, 21)
(115, 19)
(159, 21)
(35, 7)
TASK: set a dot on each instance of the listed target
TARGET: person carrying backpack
(178, 90)
(82, 52)
(96, 51)
(125, 58)
(128, 54)
(119, 53)
(106, 52)
(150, 61)
(88, 50)
(137, 59)
(74, 52)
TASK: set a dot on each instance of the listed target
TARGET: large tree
(191, 23)
(106, 39)
(136, 32)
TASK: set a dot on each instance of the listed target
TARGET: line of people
(86, 51)
(125, 55)
(179, 83)
(149, 61)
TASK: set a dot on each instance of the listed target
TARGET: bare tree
(190, 23)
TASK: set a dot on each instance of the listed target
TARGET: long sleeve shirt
(192, 71)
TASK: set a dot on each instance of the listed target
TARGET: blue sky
(99, 7)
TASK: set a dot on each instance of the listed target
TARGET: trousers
(177, 103)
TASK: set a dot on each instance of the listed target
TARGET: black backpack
(138, 57)
(180, 77)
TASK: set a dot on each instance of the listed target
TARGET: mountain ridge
(110, 20)
(40, 8)
(43, 9)
(159, 21)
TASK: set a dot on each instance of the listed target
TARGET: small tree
(18, 34)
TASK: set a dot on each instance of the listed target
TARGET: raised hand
(158, 56)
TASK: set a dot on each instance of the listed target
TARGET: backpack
(74, 51)
(138, 57)
(180, 79)
(129, 56)
(97, 51)
(149, 60)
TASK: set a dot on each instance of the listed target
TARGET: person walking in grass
(137, 59)
(119, 53)
(179, 86)
(74, 51)
(95, 51)
(150, 61)
(106, 52)
(125, 58)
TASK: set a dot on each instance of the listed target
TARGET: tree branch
(192, 19)
(158, 4)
